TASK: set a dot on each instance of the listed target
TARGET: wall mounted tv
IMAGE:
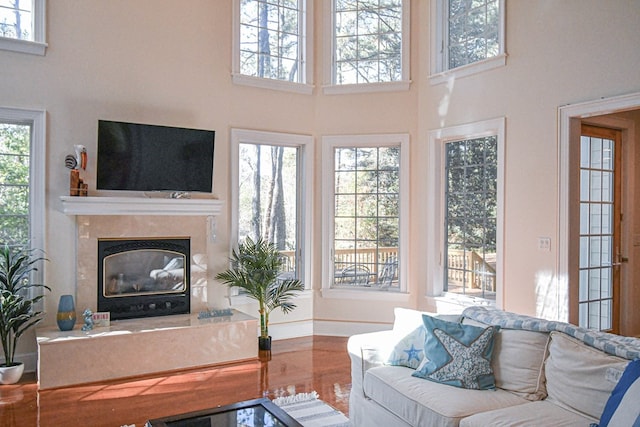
(142, 157)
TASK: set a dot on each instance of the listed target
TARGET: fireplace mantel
(72, 205)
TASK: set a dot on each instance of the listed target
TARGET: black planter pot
(264, 343)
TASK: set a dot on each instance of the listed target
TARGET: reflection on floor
(298, 365)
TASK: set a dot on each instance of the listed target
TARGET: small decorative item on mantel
(66, 317)
(88, 320)
(208, 314)
(101, 319)
(77, 187)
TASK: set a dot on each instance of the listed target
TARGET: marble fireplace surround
(118, 347)
(90, 228)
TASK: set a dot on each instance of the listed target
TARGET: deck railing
(466, 269)
(368, 267)
(470, 271)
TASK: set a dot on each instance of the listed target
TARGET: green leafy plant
(17, 313)
(256, 269)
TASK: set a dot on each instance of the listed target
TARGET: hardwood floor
(298, 365)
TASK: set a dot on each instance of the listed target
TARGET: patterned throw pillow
(622, 408)
(408, 351)
(457, 354)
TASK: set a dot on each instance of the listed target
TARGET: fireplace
(144, 277)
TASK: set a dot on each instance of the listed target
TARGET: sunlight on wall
(443, 107)
(552, 299)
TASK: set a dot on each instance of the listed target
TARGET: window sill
(449, 302)
(23, 46)
(280, 85)
(469, 69)
(367, 88)
(364, 295)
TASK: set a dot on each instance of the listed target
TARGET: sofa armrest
(367, 351)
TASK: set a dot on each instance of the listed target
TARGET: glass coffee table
(251, 413)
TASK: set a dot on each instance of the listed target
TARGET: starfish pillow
(457, 354)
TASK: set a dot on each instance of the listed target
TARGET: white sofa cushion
(425, 403)
(532, 414)
(406, 320)
(518, 361)
(577, 375)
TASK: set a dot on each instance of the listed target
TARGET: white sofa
(546, 374)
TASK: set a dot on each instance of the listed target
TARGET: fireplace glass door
(145, 271)
(144, 277)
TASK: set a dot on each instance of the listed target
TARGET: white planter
(11, 374)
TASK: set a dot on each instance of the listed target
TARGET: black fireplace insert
(144, 277)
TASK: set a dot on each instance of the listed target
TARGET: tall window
(22, 26)
(270, 202)
(271, 41)
(370, 42)
(468, 32)
(22, 178)
(14, 183)
(471, 216)
(366, 212)
(466, 190)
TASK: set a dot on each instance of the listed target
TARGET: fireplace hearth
(144, 277)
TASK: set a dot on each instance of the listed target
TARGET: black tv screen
(142, 157)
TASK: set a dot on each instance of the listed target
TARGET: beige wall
(169, 62)
(559, 53)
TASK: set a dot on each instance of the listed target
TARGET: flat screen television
(143, 157)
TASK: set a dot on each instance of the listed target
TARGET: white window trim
(39, 44)
(305, 88)
(37, 171)
(438, 72)
(328, 168)
(305, 144)
(435, 217)
(329, 88)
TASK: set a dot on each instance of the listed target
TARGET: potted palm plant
(256, 269)
(17, 311)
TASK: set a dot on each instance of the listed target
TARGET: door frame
(570, 119)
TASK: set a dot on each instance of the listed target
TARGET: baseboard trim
(30, 361)
(339, 328)
(283, 331)
(334, 328)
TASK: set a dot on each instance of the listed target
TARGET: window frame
(436, 236)
(37, 175)
(306, 45)
(305, 169)
(38, 45)
(328, 210)
(439, 71)
(331, 88)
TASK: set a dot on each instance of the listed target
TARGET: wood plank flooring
(298, 365)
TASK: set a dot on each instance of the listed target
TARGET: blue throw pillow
(457, 354)
(623, 407)
(409, 350)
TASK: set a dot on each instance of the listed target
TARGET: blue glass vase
(66, 313)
